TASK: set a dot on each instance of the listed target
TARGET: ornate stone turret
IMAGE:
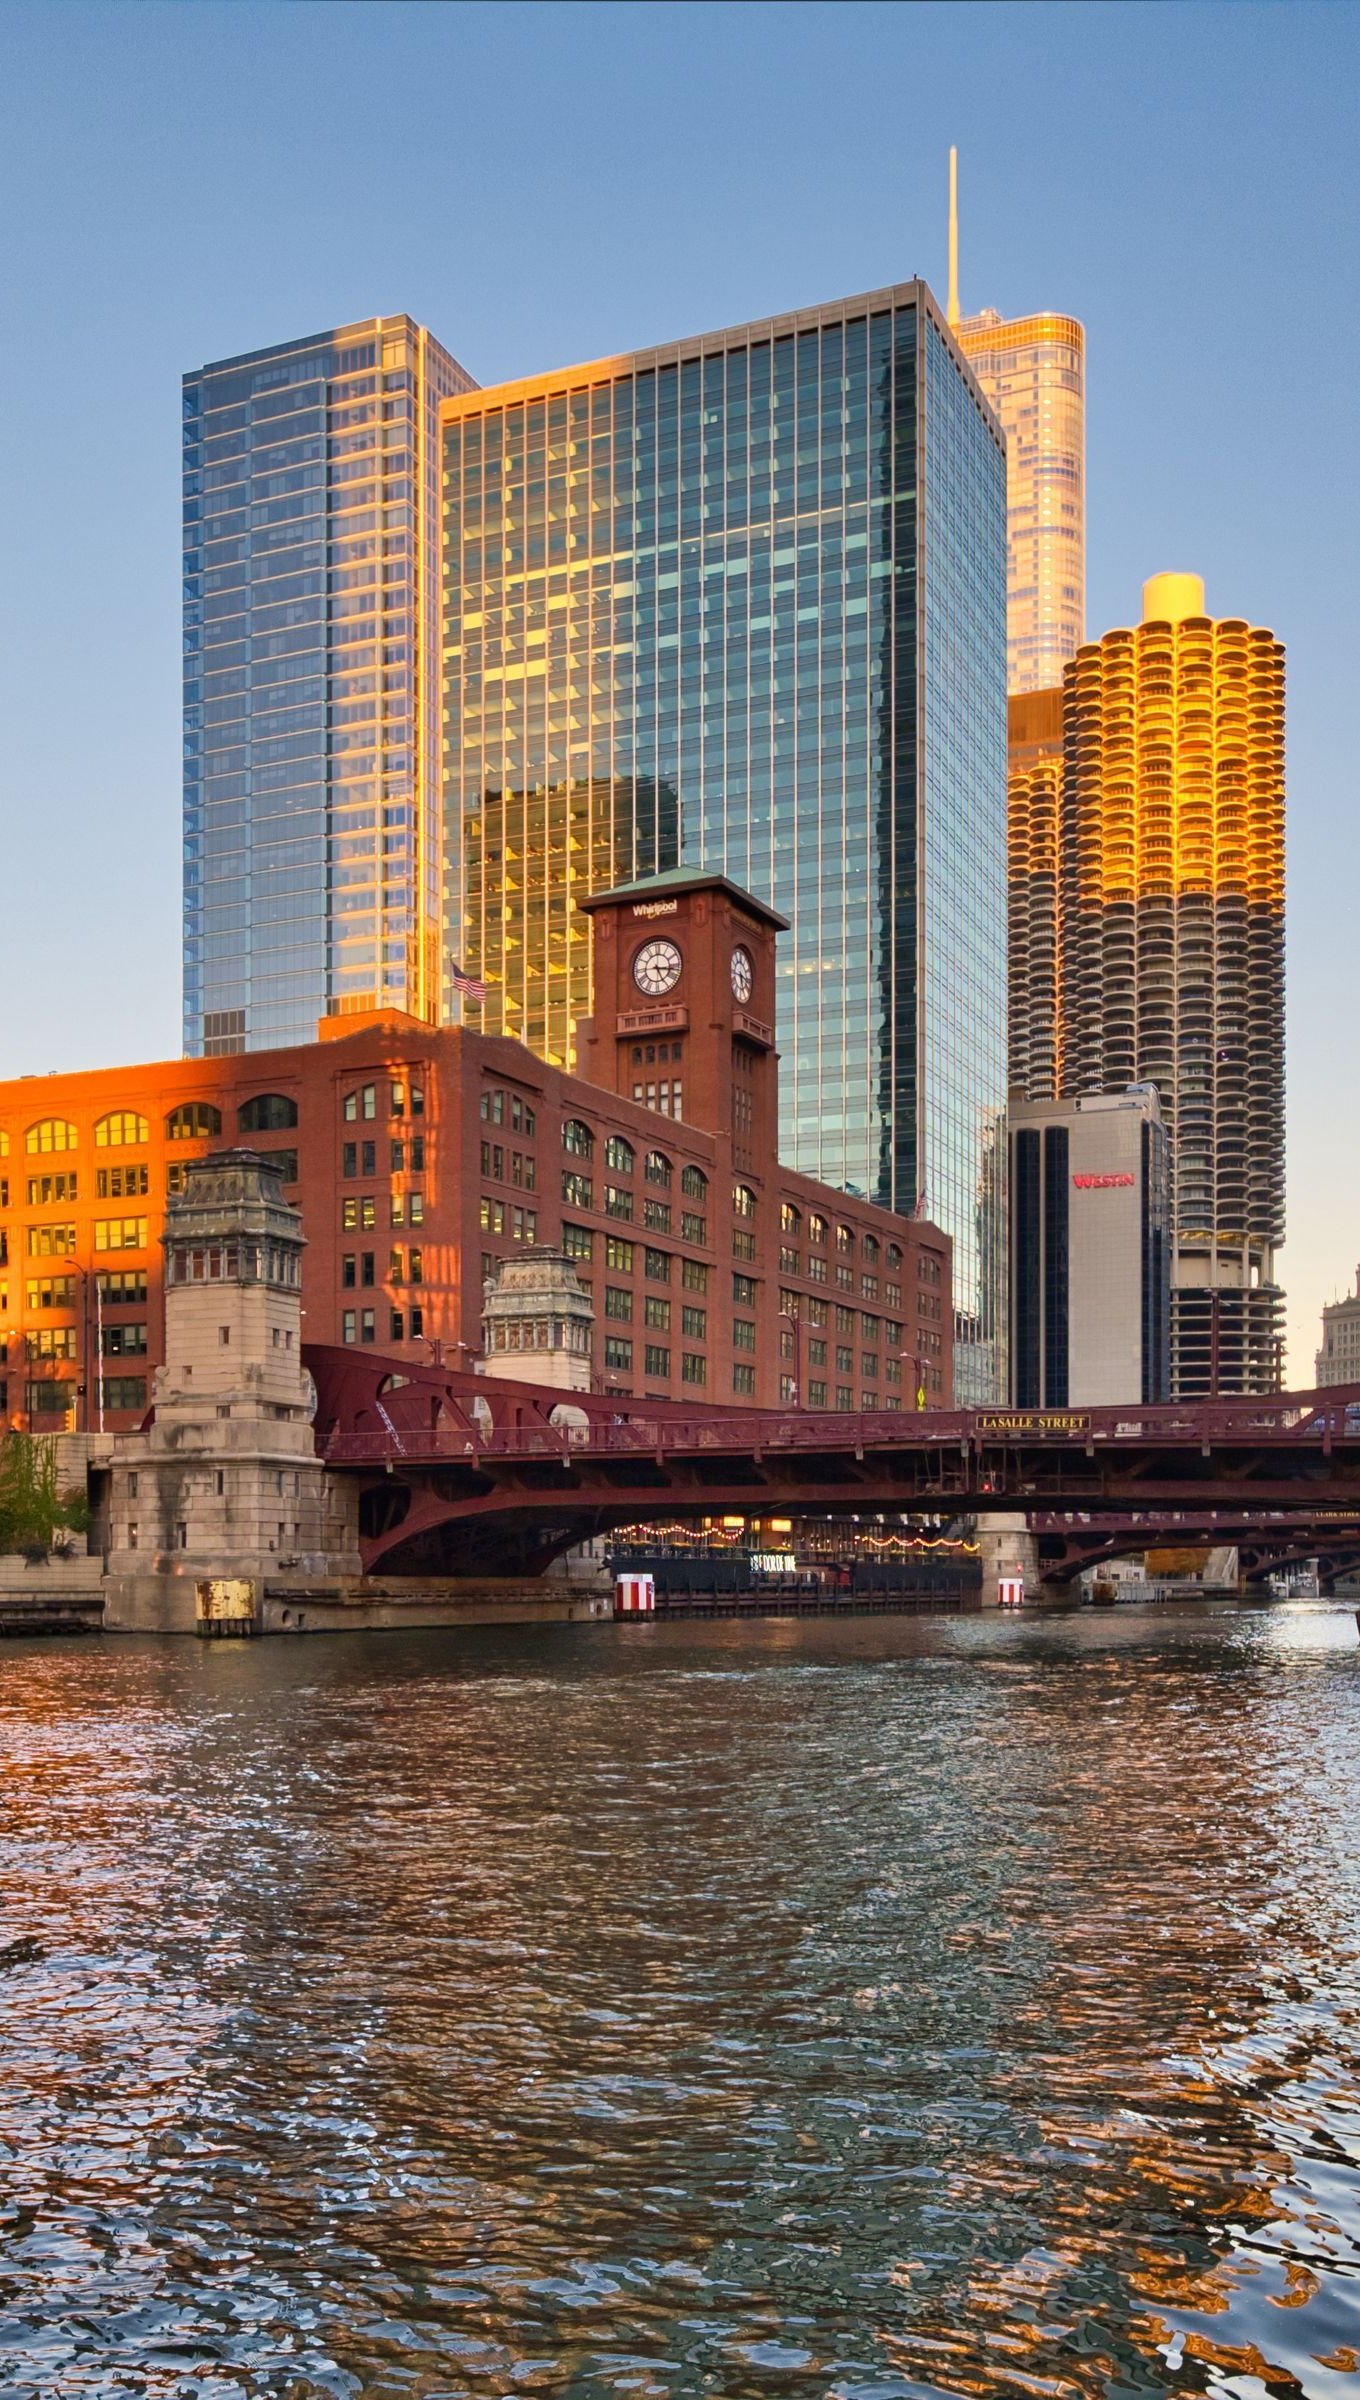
(536, 1321)
(225, 1487)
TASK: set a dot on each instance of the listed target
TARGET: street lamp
(916, 1360)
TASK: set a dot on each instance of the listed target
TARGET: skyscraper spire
(953, 236)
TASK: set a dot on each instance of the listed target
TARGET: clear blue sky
(547, 183)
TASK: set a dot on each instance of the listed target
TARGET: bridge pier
(1008, 1549)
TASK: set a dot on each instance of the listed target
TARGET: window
(868, 1366)
(694, 1183)
(348, 1271)
(349, 1326)
(363, 1103)
(928, 1266)
(845, 1397)
(619, 1154)
(366, 1325)
(415, 1267)
(868, 1326)
(578, 1190)
(367, 1260)
(51, 1241)
(268, 1112)
(868, 1286)
(618, 1302)
(492, 1215)
(744, 1290)
(743, 1333)
(816, 1395)
(123, 1287)
(121, 1183)
(743, 1200)
(193, 1121)
(618, 1353)
(577, 1138)
(657, 1314)
(618, 1202)
(396, 1158)
(816, 1268)
(845, 1359)
(790, 1218)
(53, 1341)
(693, 1276)
(125, 1391)
(492, 1107)
(417, 1100)
(54, 1291)
(743, 1245)
(368, 1212)
(845, 1319)
(493, 1162)
(284, 1163)
(788, 1390)
(892, 1293)
(656, 1360)
(125, 1341)
(656, 1215)
(396, 1266)
(845, 1240)
(693, 1367)
(417, 1324)
(618, 1254)
(396, 1325)
(790, 1261)
(51, 1191)
(522, 1118)
(52, 1133)
(396, 1214)
(657, 1264)
(525, 1224)
(894, 1256)
(869, 1248)
(523, 1170)
(845, 1279)
(123, 1130)
(415, 1208)
(577, 1241)
(816, 1353)
(892, 1370)
(693, 1228)
(694, 1324)
(396, 1100)
(658, 1169)
(667, 1098)
(816, 1231)
(744, 1380)
(417, 1154)
(349, 1216)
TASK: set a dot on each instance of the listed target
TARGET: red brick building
(420, 1159)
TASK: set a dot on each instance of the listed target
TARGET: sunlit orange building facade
(421, 1158)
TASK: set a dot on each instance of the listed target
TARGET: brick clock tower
(685, 1005)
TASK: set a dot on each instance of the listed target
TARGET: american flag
(467, 984)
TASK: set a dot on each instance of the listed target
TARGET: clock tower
(685, 1006)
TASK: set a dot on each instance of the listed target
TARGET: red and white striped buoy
(1010, 1591)
(635, 1595)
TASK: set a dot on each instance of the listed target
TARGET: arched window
(743, 1200)
(193, 1121)
(845, 1239)
(894, 1254)
(816, 1228)
(658, 1169)
(363, 1103)
(268, 1112)
(51, 1133)
(790, 1218)
(123, 1130)
(577, 1138)
(869, 1246)
(694, 1183)
(619, 1154)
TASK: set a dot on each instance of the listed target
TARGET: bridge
(463, 1474)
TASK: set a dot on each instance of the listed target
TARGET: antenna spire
(953, 236)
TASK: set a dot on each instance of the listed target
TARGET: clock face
(743, 975)
(656, 969)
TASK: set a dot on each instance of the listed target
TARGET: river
(884, 2009)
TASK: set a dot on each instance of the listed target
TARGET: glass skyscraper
(740, 603)
(312, 837)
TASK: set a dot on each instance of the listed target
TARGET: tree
(33, 1508)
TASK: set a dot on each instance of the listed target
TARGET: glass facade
(312, 839)
(741, 604)
(1033, 371)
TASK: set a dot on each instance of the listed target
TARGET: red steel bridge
(466, 1474)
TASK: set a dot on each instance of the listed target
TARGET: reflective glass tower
(740, 603)
(311, 630)
(1033, 371)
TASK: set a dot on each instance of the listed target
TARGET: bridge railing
(1290, 1417)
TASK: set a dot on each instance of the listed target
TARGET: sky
(548, 183)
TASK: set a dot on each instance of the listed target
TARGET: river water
(901, 2007)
